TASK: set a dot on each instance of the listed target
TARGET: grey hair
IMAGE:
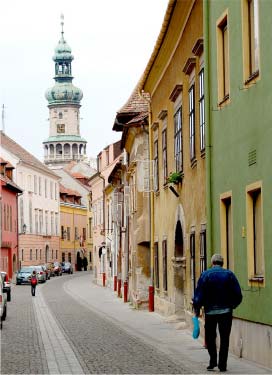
(217, 259)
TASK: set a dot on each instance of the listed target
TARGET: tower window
(60, 115)
(60, 128)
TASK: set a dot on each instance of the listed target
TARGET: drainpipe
(151, 209)
(208, 127)
(103, 230)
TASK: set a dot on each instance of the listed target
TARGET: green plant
(174, 178)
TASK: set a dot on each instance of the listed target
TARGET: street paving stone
(73, 326)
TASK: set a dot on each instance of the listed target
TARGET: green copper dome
(63, 92)
(63, 51)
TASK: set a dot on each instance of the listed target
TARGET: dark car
(67, 267)
(6, 285)
(3, 303)
(57, 269)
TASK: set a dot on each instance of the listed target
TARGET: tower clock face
(60, 128)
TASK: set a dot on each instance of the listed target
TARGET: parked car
(23, 275)
(40, 273)
(57, 269)
(3, 303)
(47, 271)
(67, 267)
(50, 268)
(6, 285)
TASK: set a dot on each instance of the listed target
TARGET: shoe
(222, 369)
(211, 367)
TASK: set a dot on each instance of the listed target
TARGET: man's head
(217, 260)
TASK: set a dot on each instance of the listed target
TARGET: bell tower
(65, 142)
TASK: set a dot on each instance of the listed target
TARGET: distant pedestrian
(218, 290)
(85, 263)
(33, 282)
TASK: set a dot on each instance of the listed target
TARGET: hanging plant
(174, 178)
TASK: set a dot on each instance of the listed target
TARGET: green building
(238, 102)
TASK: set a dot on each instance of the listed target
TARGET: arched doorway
(14, 263)
(179, 263)
(46, 254)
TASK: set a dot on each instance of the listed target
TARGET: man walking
(218, 290)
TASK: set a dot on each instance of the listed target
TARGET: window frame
(178, 149)
(191, 94)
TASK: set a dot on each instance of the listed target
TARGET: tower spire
(62, 23)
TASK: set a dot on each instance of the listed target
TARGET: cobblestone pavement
(22, 349)
(73, 326)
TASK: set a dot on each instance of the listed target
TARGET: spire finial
(62, 23)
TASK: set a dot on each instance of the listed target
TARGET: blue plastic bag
(196, 327)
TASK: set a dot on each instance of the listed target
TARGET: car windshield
(26, 270)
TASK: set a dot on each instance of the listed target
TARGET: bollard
(151, 298)
(114, 283)
(119, 287)
(125, 291)
(104, 279)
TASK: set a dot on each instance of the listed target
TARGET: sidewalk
(152, 328)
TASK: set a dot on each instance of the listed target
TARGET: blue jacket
(217, 289)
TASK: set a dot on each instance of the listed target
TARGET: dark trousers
(33, 290)
(224, 322)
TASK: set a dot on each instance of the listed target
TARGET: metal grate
(252, 157)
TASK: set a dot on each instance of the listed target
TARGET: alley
(73, 326)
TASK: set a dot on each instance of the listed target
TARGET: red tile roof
(135, 103)
(22, 154)
(64, 190)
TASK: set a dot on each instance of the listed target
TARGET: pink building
(9, 219)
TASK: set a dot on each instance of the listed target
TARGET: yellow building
(174, 80)
(73, 221)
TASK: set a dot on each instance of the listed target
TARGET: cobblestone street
(73, 326)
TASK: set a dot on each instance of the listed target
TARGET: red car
(57, 269)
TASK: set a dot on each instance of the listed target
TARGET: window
(21, 214)
(35, 184)
(255, 232)
(45, 188)
(192, 121)
(63, 257)
(68, 234)
(62, 232)
(36, 222)
(164, 263)
(203, 251)
(30, 254)
(226, 230)
(76, 234)
(156, 265)
(52, 255)
(10, 219)
(60, 115)
(156, 166)
(22, 254)
(164, 155)
(90, 257)
(192, 261)
(70, 257)
(90, 227)
(223, 59)
(178, 140)
(40, 253)
(40, 186)
(40, 221)
(30, 217)
(56, 254)
(201, 111)
(251, 39)
(51, 189)
(36, 254)
(46, 223)
(57, 224)
(84, 234)
(52, 223)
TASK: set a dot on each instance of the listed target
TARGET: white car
(3, 302)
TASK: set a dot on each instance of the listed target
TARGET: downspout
(207, 76)
(151, 205)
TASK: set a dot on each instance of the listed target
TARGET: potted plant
(174, 178)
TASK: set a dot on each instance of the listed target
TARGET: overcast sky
(111, 40)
